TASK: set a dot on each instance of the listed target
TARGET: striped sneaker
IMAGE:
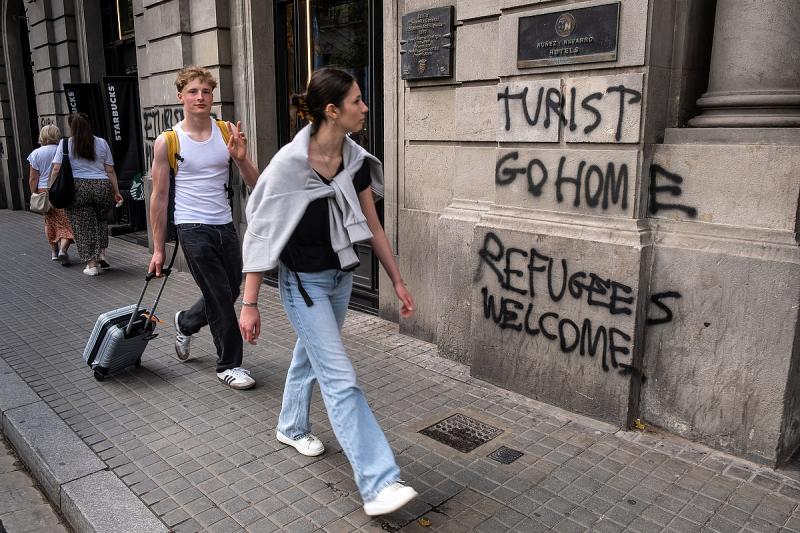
(236, 378)
(183, 343)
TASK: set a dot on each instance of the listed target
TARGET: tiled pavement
(203, 457)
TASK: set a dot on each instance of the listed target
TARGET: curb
(91, 498)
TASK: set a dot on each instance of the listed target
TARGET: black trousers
(214, 257)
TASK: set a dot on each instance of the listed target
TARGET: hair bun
(301, 104)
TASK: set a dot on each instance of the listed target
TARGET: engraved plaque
(426, 45)
(585, 35)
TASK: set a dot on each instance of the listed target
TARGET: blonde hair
(49, 134)
(191, 73)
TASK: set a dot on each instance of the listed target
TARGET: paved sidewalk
(202, 457)
(23, 507)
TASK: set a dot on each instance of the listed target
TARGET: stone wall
(525, 185)
(52, 36)
(170, 35)
(559, 245)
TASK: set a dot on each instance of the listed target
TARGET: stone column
(754, 79)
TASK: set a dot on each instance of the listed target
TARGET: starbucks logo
(565, 25)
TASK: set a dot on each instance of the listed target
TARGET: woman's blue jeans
(320, 355)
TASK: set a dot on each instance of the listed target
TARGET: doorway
(24, 132)
(311, 34)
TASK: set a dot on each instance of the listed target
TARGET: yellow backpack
(174, 146)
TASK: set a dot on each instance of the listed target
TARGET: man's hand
(156, 263)
(237, 143)
(250, 324)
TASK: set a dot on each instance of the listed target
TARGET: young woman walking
(311, 204)
(96, 190)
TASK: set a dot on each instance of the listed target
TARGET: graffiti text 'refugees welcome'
(516, 271)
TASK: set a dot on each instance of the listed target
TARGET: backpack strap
(223, 128)
(226, 135)
(173, 150)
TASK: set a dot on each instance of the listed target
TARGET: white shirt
(200, 196)
(41, 160)
(83, 168)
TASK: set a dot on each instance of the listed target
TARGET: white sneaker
(307, 445)
(182, 342)
(91, 271)
(390, 499)
(236, 378)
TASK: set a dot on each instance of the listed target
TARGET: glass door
(312, 34)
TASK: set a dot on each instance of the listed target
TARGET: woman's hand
(250, 324)
(406, 301)
(118, 199)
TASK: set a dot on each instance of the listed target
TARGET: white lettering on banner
(112, 100)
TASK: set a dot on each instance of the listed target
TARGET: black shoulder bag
(62, 192)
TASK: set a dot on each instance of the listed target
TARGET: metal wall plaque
(584, 35)
(426, 45)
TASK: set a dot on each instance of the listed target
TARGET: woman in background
(96, 190)
(56, 225)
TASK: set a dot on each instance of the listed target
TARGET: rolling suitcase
(119, 337)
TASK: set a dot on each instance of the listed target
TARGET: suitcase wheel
(99, 376)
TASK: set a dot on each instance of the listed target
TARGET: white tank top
(201, 179)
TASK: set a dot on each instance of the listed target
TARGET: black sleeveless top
(309, 248)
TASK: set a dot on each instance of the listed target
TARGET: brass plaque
(426, 44)
(585, 35)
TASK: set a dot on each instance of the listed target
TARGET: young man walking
(203, 221)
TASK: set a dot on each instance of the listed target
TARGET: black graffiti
(2, 149)
(598, 118)
(674, 190)
(636, 97)
(44, 121)
(657, 300)
(597, 291)
(555, 102)
(601, 188)
(156, 120)
(587, 339)
(523, 96)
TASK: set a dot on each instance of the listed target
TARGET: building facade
(614, 233)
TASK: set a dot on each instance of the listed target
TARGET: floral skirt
(57, 226)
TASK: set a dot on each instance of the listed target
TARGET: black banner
(85, 97)
(121, 99)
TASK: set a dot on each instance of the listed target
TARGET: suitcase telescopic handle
(150, 275)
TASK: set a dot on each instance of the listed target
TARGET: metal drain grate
(505, 455)
(461, 432)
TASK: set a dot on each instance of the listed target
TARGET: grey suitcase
(119, 337)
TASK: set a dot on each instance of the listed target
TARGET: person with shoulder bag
(56, 225)
(96, 190)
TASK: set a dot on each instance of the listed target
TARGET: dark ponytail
(327, 85)
(82, 136)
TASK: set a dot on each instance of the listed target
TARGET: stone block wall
(527, 181)
(54, 49)
(581, 258)
(170, 35)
